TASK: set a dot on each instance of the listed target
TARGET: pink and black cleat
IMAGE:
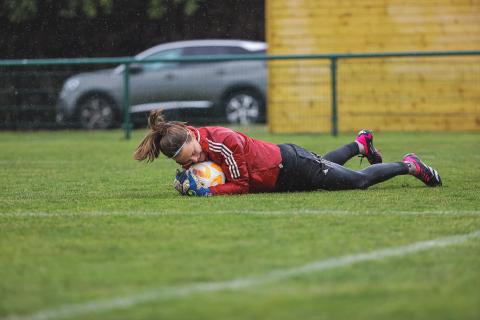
(365, 137)
(426, 174)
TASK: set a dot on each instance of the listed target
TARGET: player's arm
(234, 166)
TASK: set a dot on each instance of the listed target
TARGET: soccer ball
(208, 173)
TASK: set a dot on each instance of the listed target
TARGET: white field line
(163, 293)
(287, 211)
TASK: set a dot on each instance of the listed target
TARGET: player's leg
(304, 171)
(332, 176)
(363, 145)
(343, 153)
(336, 177)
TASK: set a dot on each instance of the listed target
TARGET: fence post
(333, 74)
(127, 125)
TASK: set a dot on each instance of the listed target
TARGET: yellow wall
(386, 94)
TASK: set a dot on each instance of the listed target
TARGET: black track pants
(303, 170)
(337, 177)
(343, 154)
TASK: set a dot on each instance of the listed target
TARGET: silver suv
(231, 91)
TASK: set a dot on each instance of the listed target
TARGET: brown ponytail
(164, 136)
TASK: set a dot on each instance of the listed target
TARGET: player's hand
(193, 188)
(180, 182)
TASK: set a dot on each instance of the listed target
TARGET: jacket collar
(195, 132)
(201, 136)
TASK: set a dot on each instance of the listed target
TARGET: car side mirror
(135, 68)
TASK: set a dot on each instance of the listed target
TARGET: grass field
(87, 233)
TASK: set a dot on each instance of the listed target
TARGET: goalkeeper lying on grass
(252, 165)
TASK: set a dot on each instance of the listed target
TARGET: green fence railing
(127, 61)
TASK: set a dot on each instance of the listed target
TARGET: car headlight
(71, 84)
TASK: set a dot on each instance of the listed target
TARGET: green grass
(81, 222)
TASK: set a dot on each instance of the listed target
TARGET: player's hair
(167, 137)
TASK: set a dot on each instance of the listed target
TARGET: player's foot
(365, 137)
(426, 174)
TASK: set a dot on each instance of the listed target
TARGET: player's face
(190, 153)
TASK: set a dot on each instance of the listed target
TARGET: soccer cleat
(365, 137)
(426, 174)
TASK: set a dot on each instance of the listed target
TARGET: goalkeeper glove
(187, 184)
(194, 188)
(180, 181)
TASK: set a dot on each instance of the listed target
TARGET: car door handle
(169, 76)
(220, 72)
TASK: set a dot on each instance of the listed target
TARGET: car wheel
(96, 112)
(243, 107)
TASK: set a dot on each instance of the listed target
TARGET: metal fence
(29, 89)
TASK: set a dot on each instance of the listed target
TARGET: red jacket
(249, 165)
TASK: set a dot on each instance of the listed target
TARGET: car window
(205, 50)
(218, 50)
(240, 50)
(166, 54)
(236, 50)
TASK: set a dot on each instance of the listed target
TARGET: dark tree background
(32, 29)
(102, 28)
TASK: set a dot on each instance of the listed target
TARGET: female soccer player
(252, 165)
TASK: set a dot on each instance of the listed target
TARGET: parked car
(231, 91)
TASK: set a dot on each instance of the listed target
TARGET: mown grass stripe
(240, 283)
(241, 212)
